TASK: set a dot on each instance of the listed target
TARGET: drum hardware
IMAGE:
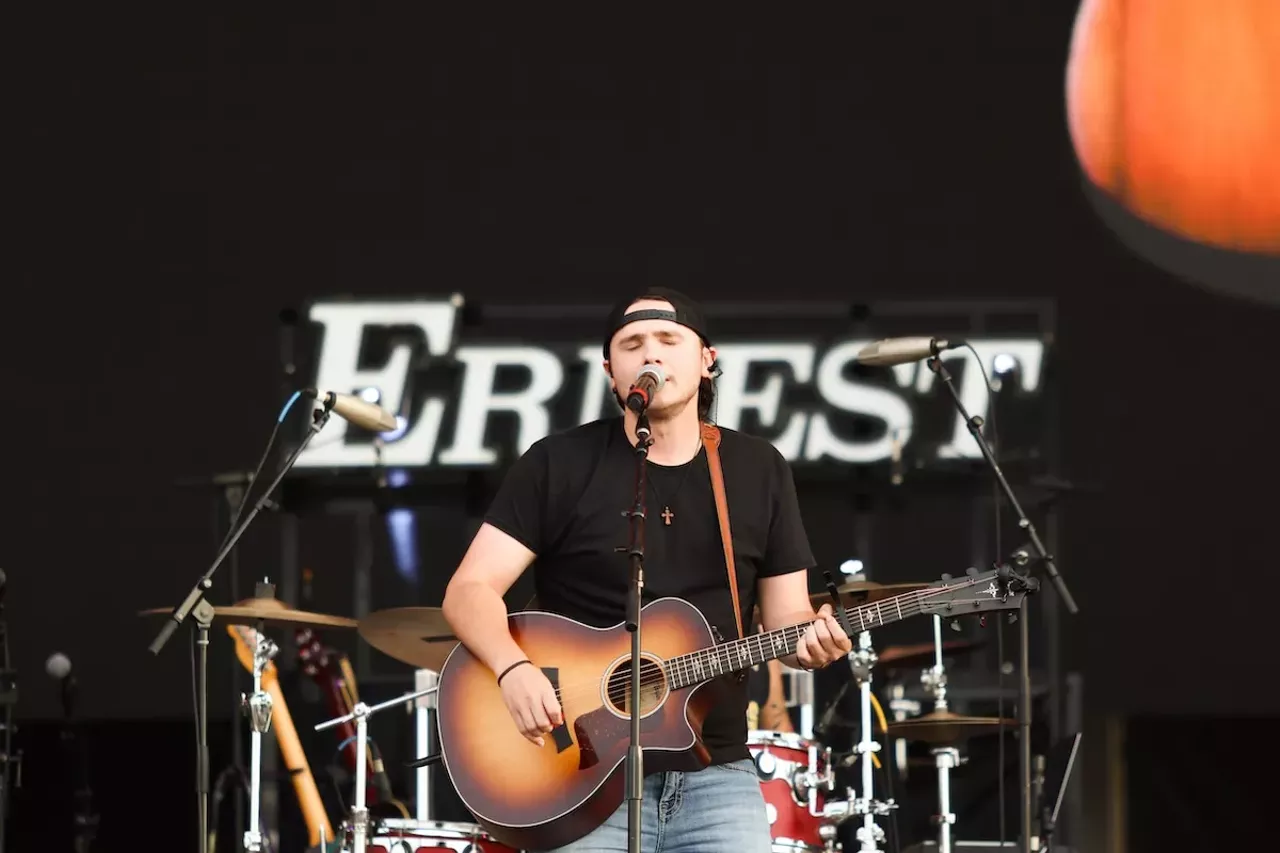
(799, 694)
(944, 727)
(857, 593)
(917, 654)
(870, 834)
(424, 709)
(902, 708)
(418, 636)
(258, 612)
(361, 714)
(265, 610)
(796, 774)
(258, 707)
(907, 657)
(398, 835)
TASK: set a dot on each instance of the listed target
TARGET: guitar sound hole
(653, 686)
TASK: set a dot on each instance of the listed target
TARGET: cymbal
(269, 611)
(946, 727)
(864, 592)
(920, 654)
(418, 636)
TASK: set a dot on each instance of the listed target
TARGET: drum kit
(797, 772)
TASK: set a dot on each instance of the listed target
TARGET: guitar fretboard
(706, 664)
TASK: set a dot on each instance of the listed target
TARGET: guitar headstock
(977, 592)
(313, 655)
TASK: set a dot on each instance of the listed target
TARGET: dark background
(181, 178)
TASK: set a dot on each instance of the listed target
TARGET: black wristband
(513, 666)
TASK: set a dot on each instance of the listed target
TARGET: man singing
(560, 510)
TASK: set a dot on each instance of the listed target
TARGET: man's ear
(608, 369)
(709, 367)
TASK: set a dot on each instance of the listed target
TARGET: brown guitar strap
(711, 441)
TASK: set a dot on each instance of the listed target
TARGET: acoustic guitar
(295, 759)
(534, 797)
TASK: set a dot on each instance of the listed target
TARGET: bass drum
(424, 836)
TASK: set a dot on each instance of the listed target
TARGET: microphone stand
(974, 425)
(196, 606)
(635, 553)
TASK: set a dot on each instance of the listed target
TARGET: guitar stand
(258, 708)
(361, 713)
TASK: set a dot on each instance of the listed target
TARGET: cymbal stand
(902, 708)
(862, 659)
(361, 713)
(258, 707)
(945, 757)
(424, 712)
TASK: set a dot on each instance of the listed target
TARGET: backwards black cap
(686, 312)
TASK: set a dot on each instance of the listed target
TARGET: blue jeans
(719, 809)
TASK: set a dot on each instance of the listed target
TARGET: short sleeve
(788, 548)
(519, 509)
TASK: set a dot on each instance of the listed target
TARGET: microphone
(355, 410)
(649, 381)
(891, 351)
(58, 666)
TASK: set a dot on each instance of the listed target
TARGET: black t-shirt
(564, 499)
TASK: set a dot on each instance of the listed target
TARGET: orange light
(1174, 112)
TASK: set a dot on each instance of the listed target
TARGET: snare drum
(420, 836)
(795, 777)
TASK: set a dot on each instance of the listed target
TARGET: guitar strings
(659, 673)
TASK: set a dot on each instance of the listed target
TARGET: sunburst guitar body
(533, 797)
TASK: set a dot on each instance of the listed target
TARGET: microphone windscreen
(58, 666)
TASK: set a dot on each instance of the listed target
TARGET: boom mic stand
(197, 606)
(974, 425)
(635, 554)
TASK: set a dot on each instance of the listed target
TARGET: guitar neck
(724, 658)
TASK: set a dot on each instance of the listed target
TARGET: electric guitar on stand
(535, 797)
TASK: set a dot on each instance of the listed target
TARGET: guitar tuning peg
(946, 576)
(971, 572)
(955, 625)
(1013, 618)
